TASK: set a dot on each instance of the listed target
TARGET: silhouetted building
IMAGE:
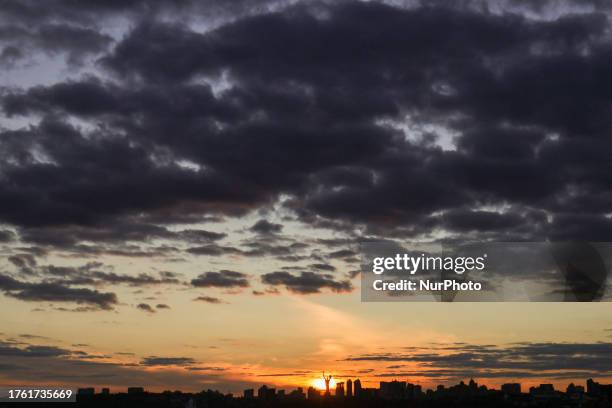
(574, 390)
(390, 395)
(313, 393)
(592, 387)
(543, 390)
(349, 388)
(86, 391)
(460, 389)
(595, 389)
(393, 390)
(266, 393)
(340, 389)
(357, 386)
(298, 393)
(511, 388)
(413, 391)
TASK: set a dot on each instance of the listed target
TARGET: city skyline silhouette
(591, 394)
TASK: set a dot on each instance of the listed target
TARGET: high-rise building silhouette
(266, 393)
(592, 387)
(340, 389)
(511, 388)
(473, 386)
(349, 388)
(574, 390)
(413, 390)
(357, 386)
(393, 390)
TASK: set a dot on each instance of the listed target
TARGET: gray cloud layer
(520, 360)
(316, 124)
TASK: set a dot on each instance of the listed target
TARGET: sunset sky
(184, 184)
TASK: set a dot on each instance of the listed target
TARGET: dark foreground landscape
(389, 394)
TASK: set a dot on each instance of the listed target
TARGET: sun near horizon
(319, 384)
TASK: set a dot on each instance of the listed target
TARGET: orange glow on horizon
(319, 384)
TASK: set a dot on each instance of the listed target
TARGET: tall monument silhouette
(327, 380)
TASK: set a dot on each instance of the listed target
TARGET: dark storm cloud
(342, 253)
(255, 248)
(323, 267)
(7, 351)
(306, 282)
(50, 38)
(145, 307)
(78, 28)
(92, 97)
(6, 236)
(167, 361)
(92, 273)
(132, 280)
(259, 247)
(266, 227)
(107, 169)
(55, 292)
(267, 291)
(391, 30)
(334, 242)
(104, 237)
(25, 263)
(214, 250)
(312, 112)
(9, 56)
(467, 220)
(23, 260)
(32, 11)
(208, 299)
(193, 235)
(221, 279)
